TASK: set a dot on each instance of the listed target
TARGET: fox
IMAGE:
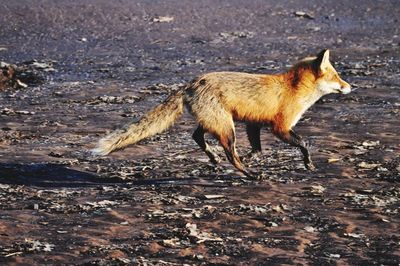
(218, 99)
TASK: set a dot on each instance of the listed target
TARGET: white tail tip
(98, 151)
(102, 148)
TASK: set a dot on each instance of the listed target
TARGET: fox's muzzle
(345, 87)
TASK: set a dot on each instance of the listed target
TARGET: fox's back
(250, 97)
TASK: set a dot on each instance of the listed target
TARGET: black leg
(253, 134)
(198, 136)
(295, 140)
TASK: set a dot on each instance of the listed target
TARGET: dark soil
(83, 69)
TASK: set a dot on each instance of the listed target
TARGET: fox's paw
(215, 159)
(310, 166)
(307, 145)
(253, 175)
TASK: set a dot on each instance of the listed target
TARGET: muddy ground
(89, 67)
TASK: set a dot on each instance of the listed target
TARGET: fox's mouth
(345, 90)
(333, 87)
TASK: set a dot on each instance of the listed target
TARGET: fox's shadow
(49, 175)
(58, 175)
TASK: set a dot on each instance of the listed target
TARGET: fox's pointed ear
(322, 61)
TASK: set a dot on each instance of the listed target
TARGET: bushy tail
(155, 121)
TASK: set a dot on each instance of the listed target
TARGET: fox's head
(327, 79)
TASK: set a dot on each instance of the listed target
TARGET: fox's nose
(345, 88)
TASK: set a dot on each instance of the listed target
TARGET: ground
(94, 66)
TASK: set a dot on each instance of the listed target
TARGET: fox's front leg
(253, 134)
(295, 140)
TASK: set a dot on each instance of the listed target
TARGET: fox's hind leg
(225, 133)
(213, 118)
(198, 136)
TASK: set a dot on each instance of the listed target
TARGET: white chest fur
(306, 103)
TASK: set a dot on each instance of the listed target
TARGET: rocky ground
(79, 70)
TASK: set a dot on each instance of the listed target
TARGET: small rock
(201, 236)
(354, 235)
(4, 64)
(23, 112)
(125, 260)
(47, 247)
(382, 169)
(303, 14)
(130, 69)
(40, 65)
(277, 208)
(43, 66)
(333, 160)
(173, 242)
(162, 19)
(7, 111)
(317, 189)
(102, 204)
(370, 143)
(55, 154)
(273, 224)
(21, 84)
(314, 28)
(211, 196)
(366, 165)
(310, 229)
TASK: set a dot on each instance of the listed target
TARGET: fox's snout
(345, 87)
(336, 86)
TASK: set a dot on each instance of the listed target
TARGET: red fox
(218, 99)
